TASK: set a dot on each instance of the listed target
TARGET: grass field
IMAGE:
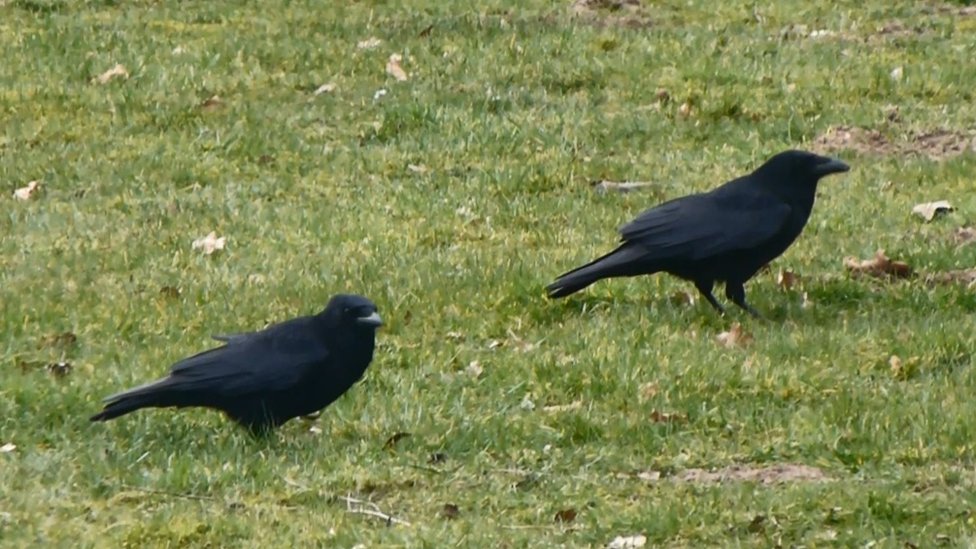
(451, 199)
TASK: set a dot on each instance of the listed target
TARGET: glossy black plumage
(262, 379)
(724, 235)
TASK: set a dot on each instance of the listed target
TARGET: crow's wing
(276, 359)
(707, 225)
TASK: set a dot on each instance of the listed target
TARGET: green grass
(512, 108)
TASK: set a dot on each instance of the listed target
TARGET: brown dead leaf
(450, 511)
(786, 279)
(929, 210)
(565, 515)
(118, 71)
(393, 440)
(662, 95)
(604, 186)
(210, 243)
(668, 417)
(735, 337)
(394, 69)
(27, 192)
(212, 103)
(879, 266)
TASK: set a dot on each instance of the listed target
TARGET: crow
(263, 379)
(724, 235)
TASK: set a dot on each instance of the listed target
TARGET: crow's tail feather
(157, 394)
(621, 262)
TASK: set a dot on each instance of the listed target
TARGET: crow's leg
(736, 292)
(705, 287)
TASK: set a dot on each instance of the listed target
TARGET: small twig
(357, 506)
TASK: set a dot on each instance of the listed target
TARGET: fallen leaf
(474, 369)
(417, 168)
(397, 437)
(879, 266)
(929, 210)
(211, 103)
(575, 405)
(450, 511)
(527, 404)
(628, 542)
(394, 69)
(25, 193)
(735, 337)
(115, 72)
(7, 448)
(325, 88)
(59, 369)
(668, 417)
(369, 43)
(685, 109)
(315, 430)
(604, 186)
(786, 279)
(565, 515)
(662, 95)
(897, 73)
(210, 243)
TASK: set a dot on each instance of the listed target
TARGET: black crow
(262, 379)
(726, 234)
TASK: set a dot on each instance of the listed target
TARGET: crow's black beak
(371, 320)
(831, 165)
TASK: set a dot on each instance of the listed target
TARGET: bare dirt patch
(611, 13)
(779, 473)
(937, 144)
(763, 474)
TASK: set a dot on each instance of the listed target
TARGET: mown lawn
(451, 198)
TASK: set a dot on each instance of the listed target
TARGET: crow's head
(353, 311)
(800, 167)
